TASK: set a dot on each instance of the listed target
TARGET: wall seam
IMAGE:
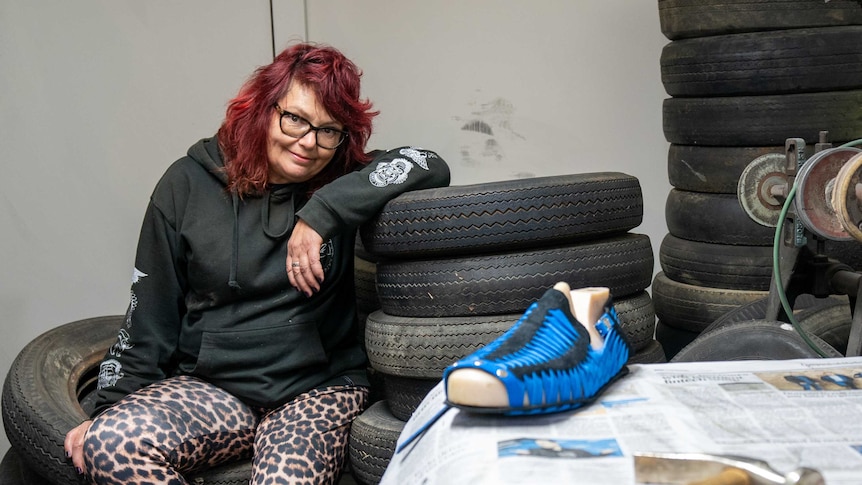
(272, 28)
(305, 18)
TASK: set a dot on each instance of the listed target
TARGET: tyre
(673, 339)
(365, 286)
(727, 266)
(14, 472)
(505, 216)
(681, 19)
(653, 353)
(752, 340)
(373, 437)
(712, 169)
(42, 390)
(775, 62)
(364, 282)
(762, 120)
(693, 308)
(421, 348)
(828, 318)
(46, 394)
(504, 283)
(637, 319)
(713, 218)
(404, 394)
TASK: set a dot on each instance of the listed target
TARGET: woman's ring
(294, 264)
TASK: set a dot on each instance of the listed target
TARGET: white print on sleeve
(418, 156)
(109, 373)
(137, 275)
(327, 249)
(122, 343)
(386, 173)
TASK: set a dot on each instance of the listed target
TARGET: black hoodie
(210, 295)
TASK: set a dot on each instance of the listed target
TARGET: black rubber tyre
(713, 218)
(756, 310)
(359, 250)
(716, 265)
(14, 472)
(404, 394)
(697, 18)
(505, 216)
(673, 339)
(752, 340)
(373, 437)
(827, 318)
(44, 391)
(775, 62)
(712, 169)
(502, 283)
(364, 278)
(651, 354)
(637, 319)
(365, 285)
(847, 252)
(421, 348)
(762, 120)
(693, 308)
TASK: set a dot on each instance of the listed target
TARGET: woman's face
(296, 160)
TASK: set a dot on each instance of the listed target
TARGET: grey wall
(98, 97)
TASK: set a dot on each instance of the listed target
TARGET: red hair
(333, 78)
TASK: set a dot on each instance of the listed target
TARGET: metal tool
(827, 206)
(708, 469)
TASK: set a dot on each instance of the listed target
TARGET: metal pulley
(847, 196)
(815, 187)
(762, 188)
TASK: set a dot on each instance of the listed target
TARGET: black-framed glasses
(296, 126)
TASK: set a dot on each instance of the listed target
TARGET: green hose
(776, 272)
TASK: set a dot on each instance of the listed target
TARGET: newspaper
(790, 414)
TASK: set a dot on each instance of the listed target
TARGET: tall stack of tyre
(457, 266)
(743, 76)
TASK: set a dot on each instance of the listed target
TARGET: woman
(226, 352)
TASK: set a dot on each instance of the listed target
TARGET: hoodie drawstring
(234, 255)
(264, 216)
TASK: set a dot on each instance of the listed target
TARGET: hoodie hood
(208, 154)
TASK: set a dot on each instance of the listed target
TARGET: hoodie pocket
(250, 354)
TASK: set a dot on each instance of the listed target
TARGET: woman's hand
(303, 258)
(74, 444)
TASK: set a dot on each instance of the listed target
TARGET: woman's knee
(118, 439)
(156, 432)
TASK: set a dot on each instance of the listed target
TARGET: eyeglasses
(296, 126)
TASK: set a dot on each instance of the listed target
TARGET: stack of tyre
(457, 266)
(743, 77)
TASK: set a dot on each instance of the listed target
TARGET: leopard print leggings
(184, 424)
